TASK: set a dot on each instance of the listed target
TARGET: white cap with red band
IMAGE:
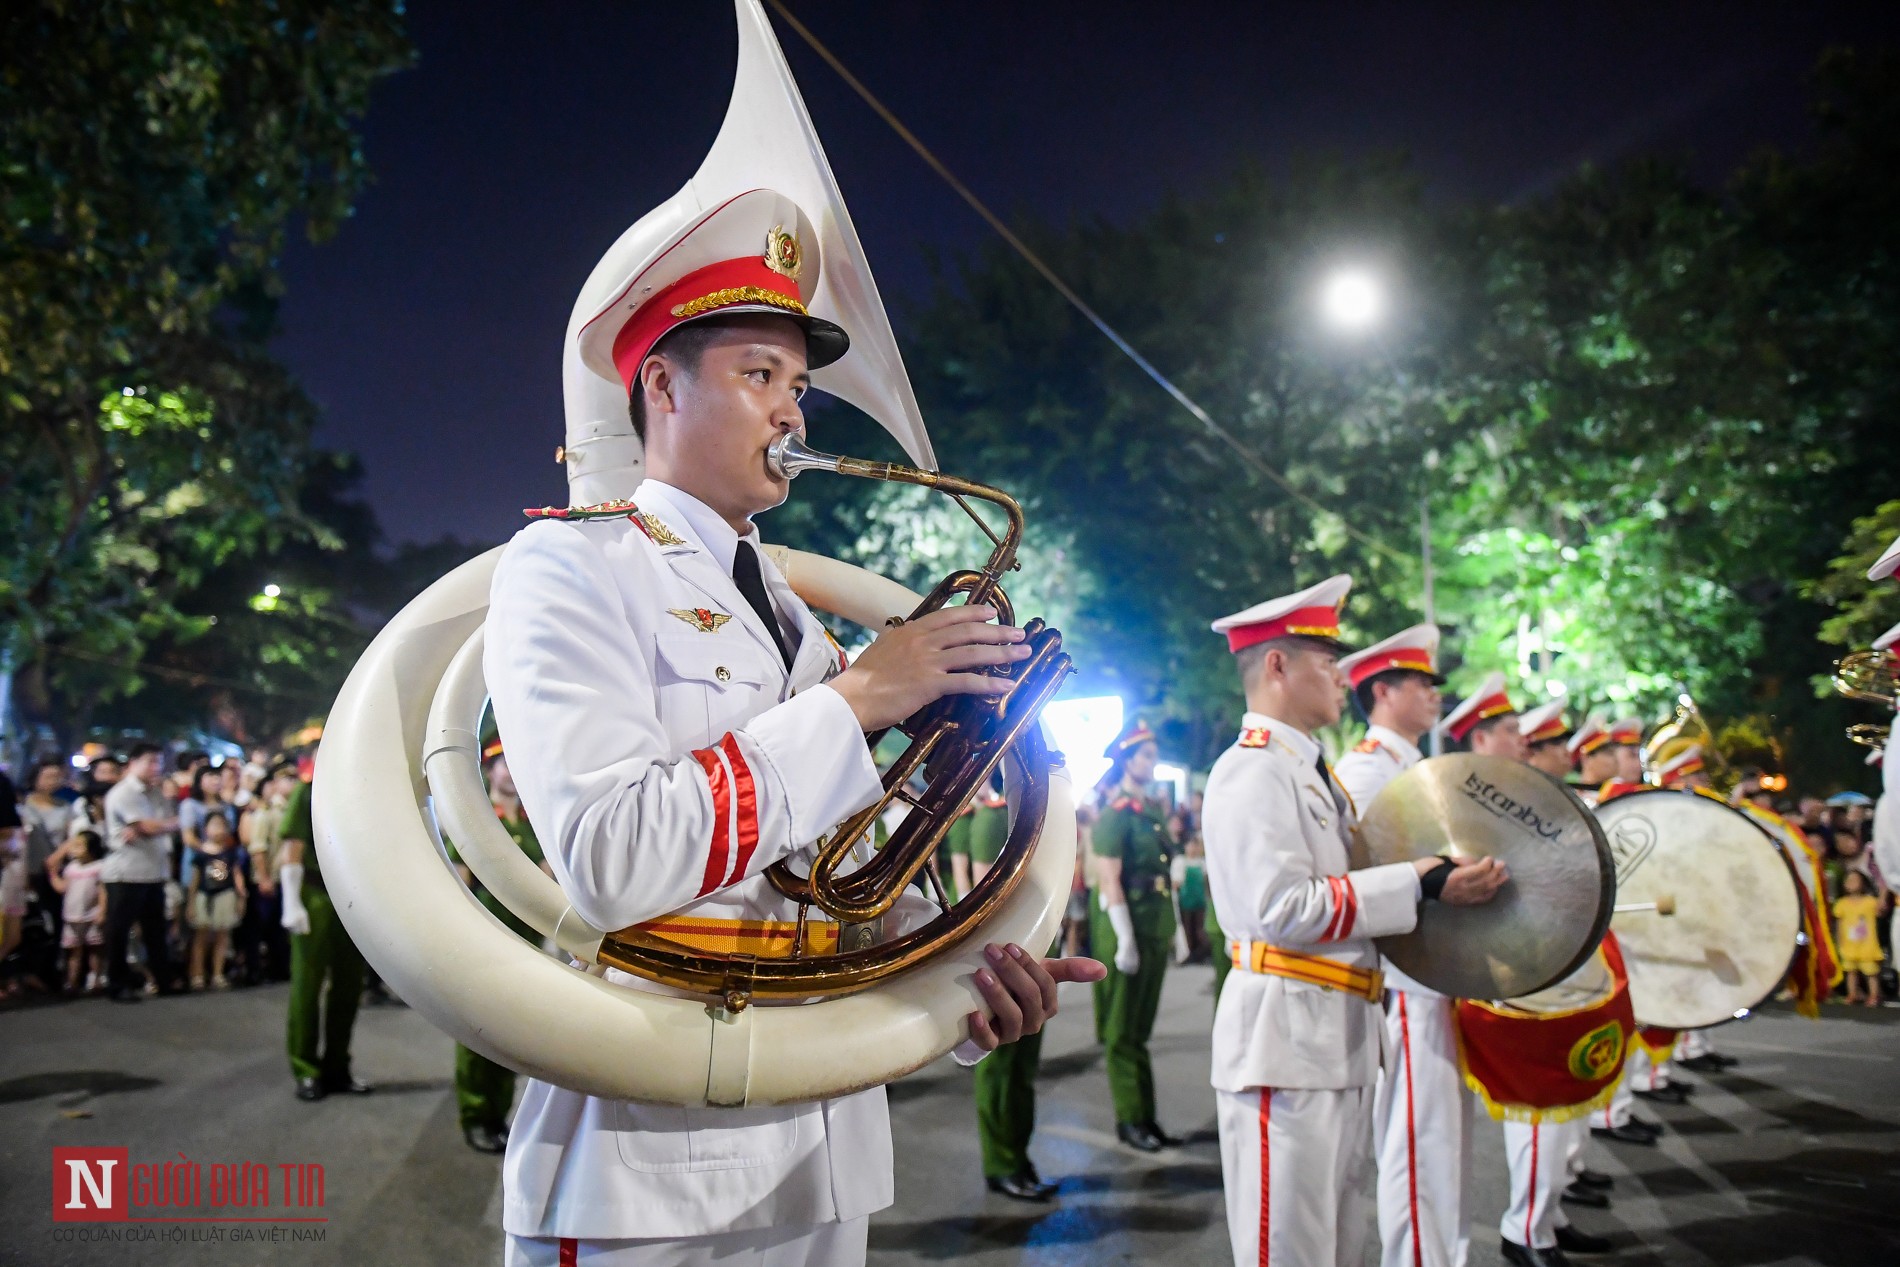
(1415, 649)
(1543, 723)
(1488, 701)
(1311, 613)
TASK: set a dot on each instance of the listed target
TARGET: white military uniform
(1423, 1113)
(1295, 1062)
(666, 757)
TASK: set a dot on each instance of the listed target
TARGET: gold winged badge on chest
(701, 618)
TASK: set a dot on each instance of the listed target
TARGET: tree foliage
(156, 153)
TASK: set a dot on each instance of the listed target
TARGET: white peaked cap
(1531, 722)
(1888, 564)
(1489, 700)
(1415, 649)
(1689, 755)
(1591, 732)
(1876, 757)
(766, 143)
(1311, 613)
(1886, 641)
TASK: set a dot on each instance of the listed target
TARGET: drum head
(1545, 921)
(1732, 937)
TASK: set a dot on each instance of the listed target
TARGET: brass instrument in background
(957, 743)
(1872, 676)
(1687, 727)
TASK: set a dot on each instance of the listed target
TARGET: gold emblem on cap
(782, 255)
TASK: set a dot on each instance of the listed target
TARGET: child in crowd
(75, 873)
(1856, 911)
(215, 899)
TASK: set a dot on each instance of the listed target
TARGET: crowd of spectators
(127, 878)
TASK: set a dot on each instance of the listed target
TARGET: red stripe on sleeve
(748, 799)
(570, 1251)
(1350, 909)
(1339, 904)
(718, 849)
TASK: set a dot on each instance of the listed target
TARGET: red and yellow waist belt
(1328, 974)
(761, 938)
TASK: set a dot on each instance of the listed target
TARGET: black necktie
(1326, 778)
(751, 583)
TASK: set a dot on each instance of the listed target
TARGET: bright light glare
(272, 591)
(1557, 688)
(1175, 777)
(1352, 301)
(1082, 729)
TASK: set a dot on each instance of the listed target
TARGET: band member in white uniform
(677, 721)
(1422, 1112)
(1298, 1031)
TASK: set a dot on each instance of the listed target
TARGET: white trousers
(1691, 1043)
(1422, 1125)
(807, 1245)
(1541, 1156)
(1635, 1074)
(1297, 1166)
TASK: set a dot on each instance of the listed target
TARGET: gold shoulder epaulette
(1366, 745)
(1254, 737)
(657, 532)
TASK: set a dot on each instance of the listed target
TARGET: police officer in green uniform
(484, 1090)
(320, 951)
(1132, 928)
(1006, 1088)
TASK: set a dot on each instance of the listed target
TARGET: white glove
(290, 883)
(1127, 956)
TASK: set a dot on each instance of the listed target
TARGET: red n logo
(89, 1185)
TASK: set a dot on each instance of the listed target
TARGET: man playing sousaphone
(677, 721)
(1298, 1030)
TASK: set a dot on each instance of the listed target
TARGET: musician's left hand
(1021, 992)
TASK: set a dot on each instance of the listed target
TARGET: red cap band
(726, 284)
(1491, 706)
(1306, 622)
(1413, 658)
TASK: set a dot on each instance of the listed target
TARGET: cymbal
(1549, 915)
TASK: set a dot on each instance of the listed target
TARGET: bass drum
(400, 751)
(1732, 938)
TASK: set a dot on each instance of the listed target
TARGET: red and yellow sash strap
(1272, 961)
(1660, 1043)
(763, 938)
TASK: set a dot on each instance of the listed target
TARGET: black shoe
(1726, 1062)
(310, 1089)
(1668, 1093)
(347, 1086)
(1525, 1256)
(1572, 1241)
(1167, 1140)
(1594, 1179)
(1628, 1133)
(1652, 1129)
(127, 996)
(1138, 1137)
(1577, 1194)
(1024, 1185)
(485, 1139)
(1709, 1063)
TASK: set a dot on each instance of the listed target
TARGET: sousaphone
(400, 757)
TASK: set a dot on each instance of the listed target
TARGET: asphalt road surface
(1792, 1158)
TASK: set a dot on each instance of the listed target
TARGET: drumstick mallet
(1664, 905)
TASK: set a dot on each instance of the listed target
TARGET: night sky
(530, 135)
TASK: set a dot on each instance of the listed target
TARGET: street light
(1352, 300)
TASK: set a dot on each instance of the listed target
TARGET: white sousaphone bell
(401, 745)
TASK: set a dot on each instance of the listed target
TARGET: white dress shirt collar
(694, 519)
(1302, 743)
(1407, 750)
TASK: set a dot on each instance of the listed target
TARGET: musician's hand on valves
(922, 660)
(1020, 991)
(1462, 881)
